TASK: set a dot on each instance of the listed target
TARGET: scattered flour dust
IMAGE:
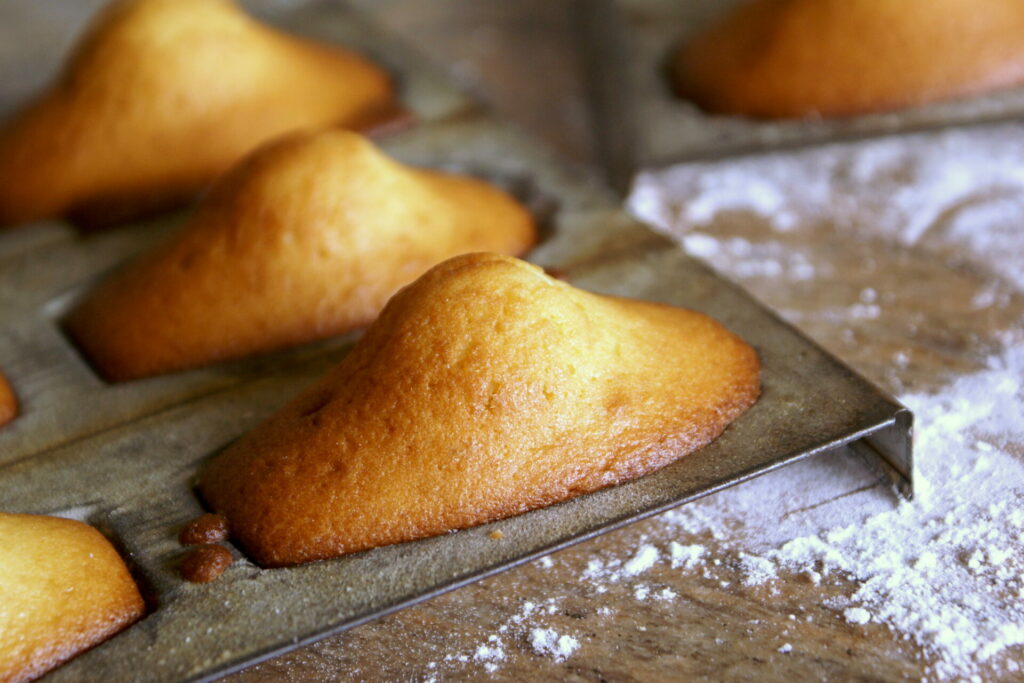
(545, 641)
(857, 615)
(524, 628)
(945, 571)
(963, 187)
(646, 556)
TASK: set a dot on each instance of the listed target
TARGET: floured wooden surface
(904, 256)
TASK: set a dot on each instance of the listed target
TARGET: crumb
(204, 530)
(205, 563)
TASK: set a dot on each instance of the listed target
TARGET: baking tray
(124, 457)
(642, 124)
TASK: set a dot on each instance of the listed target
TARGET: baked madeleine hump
(485, 389)
(63, 589)
(8, 403)
(306, 239)
(793, 58)
(160, 97)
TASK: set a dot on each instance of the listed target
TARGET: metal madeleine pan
(124, 456)
(642, 124)
(133, 475)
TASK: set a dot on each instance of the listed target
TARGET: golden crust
(63, 590)
(8, 403)
(308, 238)
(160, 97)
(791, 58)
(484, 390)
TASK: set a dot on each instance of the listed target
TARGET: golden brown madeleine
(485, 389)
(63, 589)
(791, 58)
(8, 403)
(307, 238)
(161, 96)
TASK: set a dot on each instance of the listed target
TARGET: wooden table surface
(522, 58)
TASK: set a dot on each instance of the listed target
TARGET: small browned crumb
(496, 535)
(205, 529)
(205, 563)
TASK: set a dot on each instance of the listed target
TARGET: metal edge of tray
(901, 483)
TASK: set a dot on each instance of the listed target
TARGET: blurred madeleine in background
(797, 58)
